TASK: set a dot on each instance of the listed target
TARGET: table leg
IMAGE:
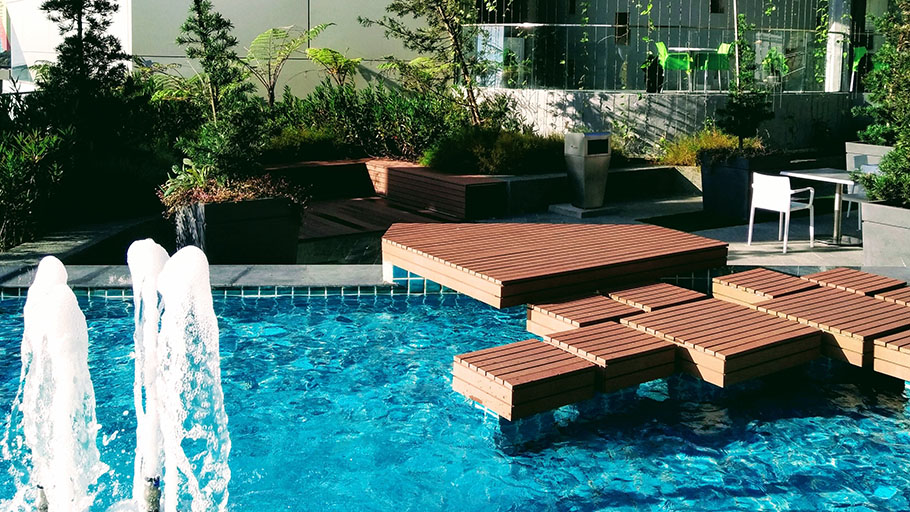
(838, 188)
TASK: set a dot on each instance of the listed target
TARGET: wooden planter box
(886, 236)
(465, 197)
(245, 232)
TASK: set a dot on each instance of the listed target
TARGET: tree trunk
(454, 31)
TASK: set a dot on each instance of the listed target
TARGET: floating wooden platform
(892, 355)
(900, 296)
(656, 296)
(855, 281)
(548, 318)
(510, 264)
(757, 285)
(850, 321)
(725, 343)
(523, 378)
(625, 356)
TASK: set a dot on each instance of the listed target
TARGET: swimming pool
(345, 403)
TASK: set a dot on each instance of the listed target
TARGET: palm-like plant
(270, 50)
(337, 66)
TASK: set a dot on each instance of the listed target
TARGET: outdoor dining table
(839, 177)
(692, 53)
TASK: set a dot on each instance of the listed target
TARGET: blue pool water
(345, 404)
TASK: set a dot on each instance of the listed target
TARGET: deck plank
(855, 281)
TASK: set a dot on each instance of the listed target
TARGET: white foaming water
(55, 406)
(193, 420)
(146, 259)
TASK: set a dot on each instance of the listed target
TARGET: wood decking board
(725, 343)
(510, 264)
(560, 316)
(624, 355)
(523, 378)
(855, 281)
(892, 355)
(655, 296)
(899, 296)
(850, 320)
(757, 285)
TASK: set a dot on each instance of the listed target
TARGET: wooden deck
(900, 296)
(509, 264)
(855, 281)
(850, 321)
(757, 285)
(548, 318)
(652, 297)
(523, 378)
(892, 355)
(354, 216)
(725, 343)
(625, 356)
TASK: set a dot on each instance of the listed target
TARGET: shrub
(30, 168)
(496, 151)
(303, 143)
(383, 121)
(684, 150)
(200, 184)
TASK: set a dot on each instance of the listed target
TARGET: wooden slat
(763, 283)
(855, 281)
(581, 312)
(655, 296)
(899, 296)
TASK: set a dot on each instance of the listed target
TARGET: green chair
(673, 61)
(858, 53)
(719, 61)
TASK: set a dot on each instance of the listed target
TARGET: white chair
(857, 194)
(774, 193)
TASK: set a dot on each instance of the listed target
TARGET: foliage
(30, 169)
(298, 144)
(496, 151)
(445, 35)
(383, 121)
(338, 68)
(231, 145)
(501, 111)
(747, 105)
(270, 50)
(775, 63)
(206, 35)
(191, 184)
(684, 150)
(891, 109)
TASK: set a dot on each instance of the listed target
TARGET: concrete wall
(802, 120)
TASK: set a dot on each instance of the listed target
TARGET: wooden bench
(624, 356)
(757, 285)
(850, 321)
(855, 281)
(725, 343)
(465, 197)
(523, 378)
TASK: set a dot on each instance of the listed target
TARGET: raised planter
(886, 236)
(860, 153)
(536, 192)
(245, 232)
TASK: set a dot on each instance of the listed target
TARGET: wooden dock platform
(725, 343)
(511, 264)
(553, 317)
(757, 285)
(899, 296)
(855, 281)
(850, 321)
(523, 378)
(891, 355)
(625, 356)
(652, 297)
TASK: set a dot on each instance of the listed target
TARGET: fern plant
(270, 50)
(338, 67)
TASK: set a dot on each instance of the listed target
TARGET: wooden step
(625, 356)
(855, 281)
(523, 378)
(726, 343)
(757, 285)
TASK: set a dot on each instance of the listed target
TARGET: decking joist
(510, 264)
(725, 343)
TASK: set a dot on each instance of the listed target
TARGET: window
(622, 28)
(718, 6)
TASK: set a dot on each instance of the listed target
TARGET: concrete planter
(533, 193)
(727, 185)
(256, 231)
(859, 153)
(886, 236)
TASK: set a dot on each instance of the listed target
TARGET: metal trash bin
(587, 162)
